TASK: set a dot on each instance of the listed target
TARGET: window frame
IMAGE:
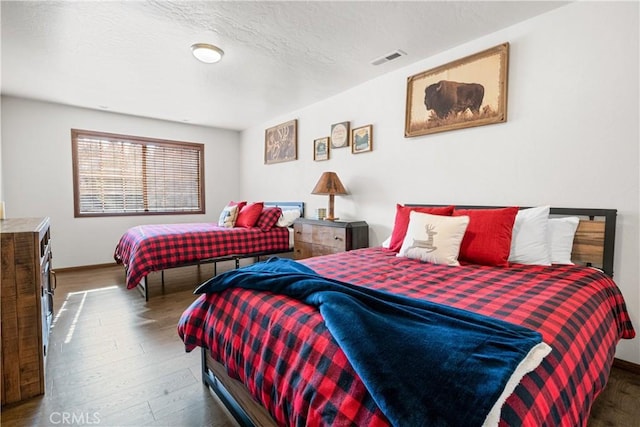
(143, 141)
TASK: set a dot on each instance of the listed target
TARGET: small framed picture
(340, 135)
(321, 149)
(362, 139)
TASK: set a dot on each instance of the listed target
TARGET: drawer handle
(337, 238)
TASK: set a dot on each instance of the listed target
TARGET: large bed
(272, 360)
(156, 247)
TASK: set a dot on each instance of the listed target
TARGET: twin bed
(157, 247)
(272, 360)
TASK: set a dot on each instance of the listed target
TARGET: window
(129, 175)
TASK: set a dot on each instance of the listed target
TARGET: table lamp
(330, 184)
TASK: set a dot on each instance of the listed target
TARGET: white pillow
(530, 239)
(386, 243)
(228, 216)
(287, 217)
(561, 233)
(434, 238)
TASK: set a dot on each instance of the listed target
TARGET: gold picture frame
(340, 135)
(321, 149)
(471, 91)
(362, 139)
(281, 143)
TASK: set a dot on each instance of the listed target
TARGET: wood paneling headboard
(594, 242)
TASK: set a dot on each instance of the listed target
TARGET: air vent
(389, 57)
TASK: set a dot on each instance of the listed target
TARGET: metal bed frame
(248, 413)
(143, 286)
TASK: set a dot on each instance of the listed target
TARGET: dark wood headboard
(594, 242)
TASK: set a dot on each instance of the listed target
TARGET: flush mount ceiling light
(207, 53)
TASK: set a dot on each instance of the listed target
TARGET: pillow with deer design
(434, 238)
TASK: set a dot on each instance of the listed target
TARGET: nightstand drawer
(330, 236)
(317, 237)
(303, 232)
(307, 250)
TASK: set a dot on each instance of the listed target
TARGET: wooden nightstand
(313, 237)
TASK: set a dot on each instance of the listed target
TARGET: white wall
(1, 181)
(571, 139)
(38, 178)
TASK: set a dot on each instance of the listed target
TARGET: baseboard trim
(627, 366)
(85, 267)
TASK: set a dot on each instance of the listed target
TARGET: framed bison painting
(471, 91)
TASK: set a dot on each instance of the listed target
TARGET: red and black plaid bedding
(281, 350)
(148, 248)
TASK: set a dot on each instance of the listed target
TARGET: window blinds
(124, 175)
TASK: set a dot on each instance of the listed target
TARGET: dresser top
(23, 225)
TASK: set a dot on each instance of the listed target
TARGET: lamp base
(331, 219)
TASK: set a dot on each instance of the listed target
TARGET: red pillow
(268, 218)
(240, 205)
(402, 221)
(248, 215)
(487, 240)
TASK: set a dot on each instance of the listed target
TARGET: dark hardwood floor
(115, 360)
(619, 404)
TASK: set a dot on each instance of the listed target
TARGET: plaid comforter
(148, 248)
(282, 351)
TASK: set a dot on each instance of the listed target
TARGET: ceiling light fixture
(207, 53)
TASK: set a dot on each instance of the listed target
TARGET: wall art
(471, 91)
(281, 143)
(362, 139)
(321, 149)
(340, 135)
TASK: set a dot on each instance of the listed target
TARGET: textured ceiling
(133, 57)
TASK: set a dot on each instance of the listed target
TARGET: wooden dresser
(314, 237)
(27, 306)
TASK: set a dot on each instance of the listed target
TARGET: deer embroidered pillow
(434, 238)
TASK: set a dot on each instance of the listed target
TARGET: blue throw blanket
(425, 364)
